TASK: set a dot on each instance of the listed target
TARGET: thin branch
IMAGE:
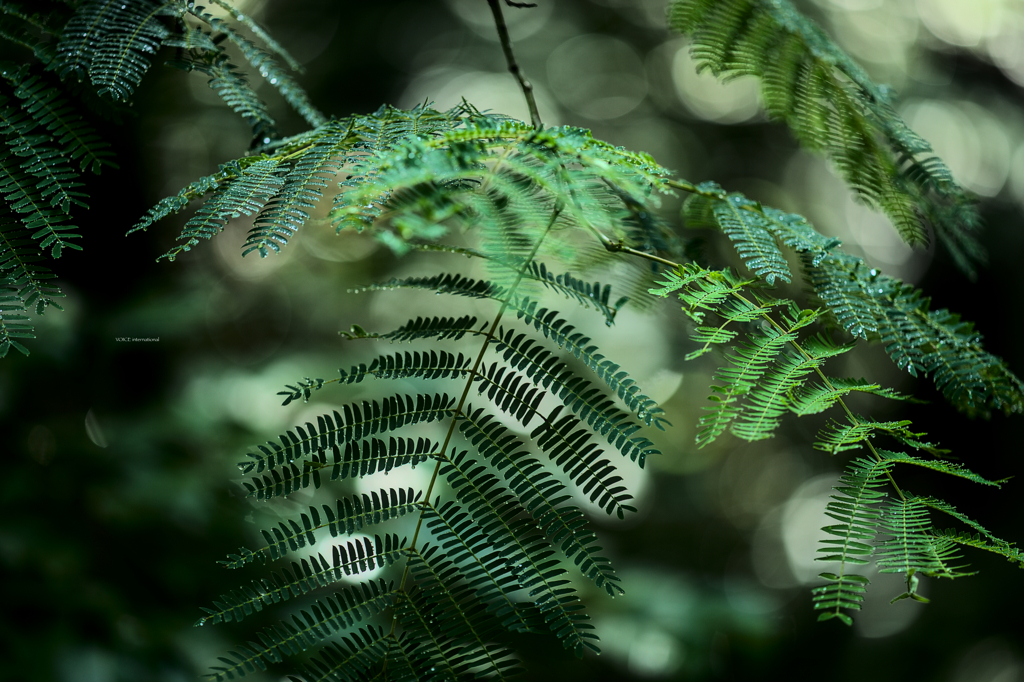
(513, 66)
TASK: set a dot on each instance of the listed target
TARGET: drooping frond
(302, 190)
(358, 422)
(260, 33)
(232, 87)
(111, 42)
(982, 538)
(440, 605)
(195, 190)
(433, 365)
(772, 397)
(941, 465)
(938, 343)
(579, 395)
(813, 398)
(482, 565)
(832, 106)
(14, 323)
(248, 195)
(441, 328)
(863, 301)
(854, 506)
(745, 369)
(22, 192)
(353, 657)
(33, 30)
(445, 283)
(549, 323)
(265, 64)
(839, 437)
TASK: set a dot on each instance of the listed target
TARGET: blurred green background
(118, 485)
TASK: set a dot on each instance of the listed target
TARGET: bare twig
(510, 58)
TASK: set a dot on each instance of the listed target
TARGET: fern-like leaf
(525, 550)
(19, 264)
(347, 559)
(832, 106)
(912, 547)
(542, 495)
(324, 618)
(112, 41)
(67, 130)
(349, 515)
(301, 190)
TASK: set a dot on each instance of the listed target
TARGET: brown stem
(513, 66)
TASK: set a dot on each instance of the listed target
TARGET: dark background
(118, 484)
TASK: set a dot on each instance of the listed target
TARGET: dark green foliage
(495, 534)
(46, 141)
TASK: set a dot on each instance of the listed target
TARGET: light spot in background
(881, 34)
(86, 664)
(228, 247)
(707, 97)
(247, 397)
(754, 479)
(873, 232)
(649, 13)
(321, 241)
(497, 92)
(1004, 48)
(521, 22)
(243, 326)
(850, 5)
(972, 142)
(768, 555)
(803, 517)
(962, 23)
(597, 76)
(991, 660)
(94, 430)
(749, 598)
(653, 653)
(877, 617)
(834, 210)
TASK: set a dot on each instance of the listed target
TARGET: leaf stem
(513, 65)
